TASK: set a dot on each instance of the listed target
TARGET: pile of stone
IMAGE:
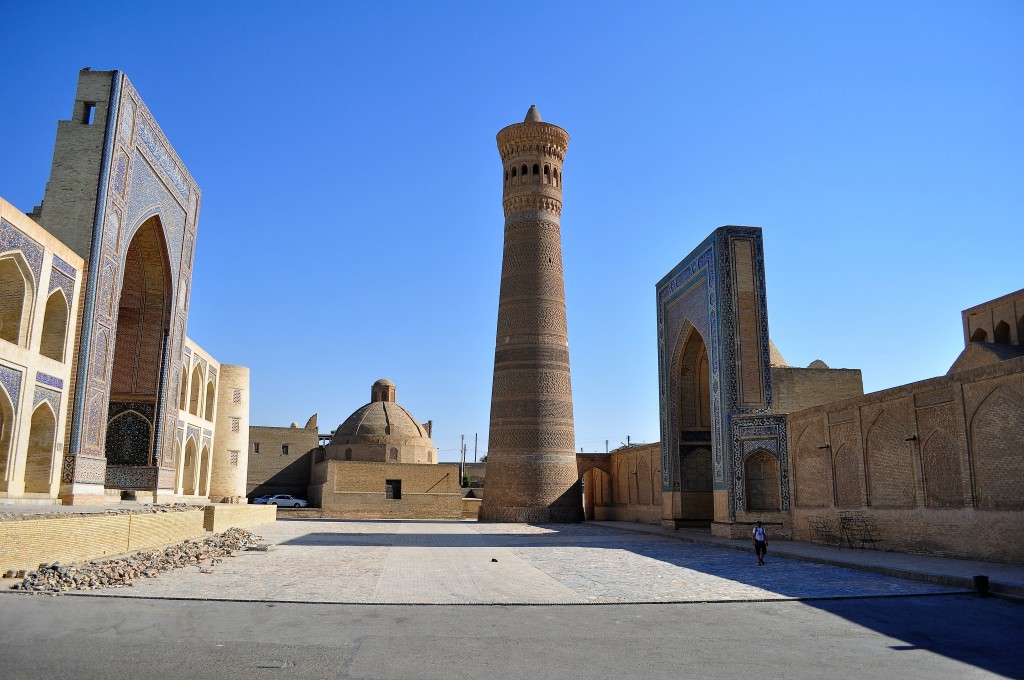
(29, 513)
(117, 573)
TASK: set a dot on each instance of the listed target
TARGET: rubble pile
(121, 572)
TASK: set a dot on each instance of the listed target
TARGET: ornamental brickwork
(531, 465)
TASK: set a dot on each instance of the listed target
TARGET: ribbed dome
(380, 422)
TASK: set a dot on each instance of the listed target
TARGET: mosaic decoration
(131, 477)
(10, 378)
(193, 432)
(64, 267)
(86, 469)
(61, 281)
(207, 433)
(709, 269)
(163, 159)
(166, 478)
(13, 239)
(129, 436)
(67, 470)
(213, 371)
(52, 381)
(767, 433)
(52, 397)
(145, 408)
(188, 352)
(120, 173)
(112, 232)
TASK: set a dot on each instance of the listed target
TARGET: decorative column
(531, 460)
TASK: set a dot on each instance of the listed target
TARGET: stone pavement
(453, 562)
(1007, 579)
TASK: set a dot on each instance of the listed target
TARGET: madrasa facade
(103, 397)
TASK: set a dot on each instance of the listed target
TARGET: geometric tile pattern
(701, 292)
(10, 378)
(12, 239)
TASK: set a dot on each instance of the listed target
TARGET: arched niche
(39, 455)
(55, 326)
(16, 294)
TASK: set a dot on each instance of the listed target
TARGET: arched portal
(197, 389)
(55, 326)
(208, 411)
(694, 418)
(15, 298)
(143, 321)
(129, 439)
(39, 459)
(762, 482)
(204, 472)
(189, 477)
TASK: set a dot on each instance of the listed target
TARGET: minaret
(531, 460)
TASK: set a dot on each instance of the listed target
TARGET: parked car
(285, 501)
(262, 500)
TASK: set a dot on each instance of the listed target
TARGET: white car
(285, 501)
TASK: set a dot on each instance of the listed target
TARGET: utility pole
(606, 446)
(475, 435)
(462, 465)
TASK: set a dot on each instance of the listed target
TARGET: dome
(533, 115)
(380, 422)
(383, 422)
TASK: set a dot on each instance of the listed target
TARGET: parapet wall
(935, 465)
(27, 543)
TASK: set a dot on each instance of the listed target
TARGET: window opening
(393, 489)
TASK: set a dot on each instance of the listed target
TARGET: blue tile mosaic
(10, 378)
(61, 281)
(146, 135)
(11, 238)
(52, 397)
(46, 379)
(64, 267)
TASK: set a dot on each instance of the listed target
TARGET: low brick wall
(471, 508)
(27, 543)
(222, 517)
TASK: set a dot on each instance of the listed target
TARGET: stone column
(230, 444)
(531, 460)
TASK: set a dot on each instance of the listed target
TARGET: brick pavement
(452, 562)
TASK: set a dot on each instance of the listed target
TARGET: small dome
(817, 363)
(533, 115)
(382, 421)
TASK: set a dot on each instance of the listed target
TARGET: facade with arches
(123, 208)
(40, 284)
(936, 466)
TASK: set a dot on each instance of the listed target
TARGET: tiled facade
(126, 207)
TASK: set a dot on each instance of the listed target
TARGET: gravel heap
(117, 573)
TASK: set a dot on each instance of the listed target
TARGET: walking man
(760, 543)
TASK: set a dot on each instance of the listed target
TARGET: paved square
(450, 562)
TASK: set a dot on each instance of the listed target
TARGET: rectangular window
(255, 447)
(234, 424)
(88, 112)
(236, 396)
(284, 449)
(393, 489)
(234, 457)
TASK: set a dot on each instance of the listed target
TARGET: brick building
(102, 395)
(936, 466)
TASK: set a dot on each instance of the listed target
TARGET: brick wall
(218, 518)
(357, 490)
(271, 471)
(794, 389)
(25, 544)
(632, 492)
(937, 465)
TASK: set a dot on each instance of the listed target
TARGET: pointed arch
(995, 436)
(208, 411)
(846, 477)
(890, 463)
(129, 439)
(17, 290)
(196, 389)
(763, 487)
(811, 467)
(943, 482)
(190, 478)
(39, 455)
(204, 472)
(55, 326)
(1001, 333)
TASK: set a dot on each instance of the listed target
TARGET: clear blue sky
(352, 188)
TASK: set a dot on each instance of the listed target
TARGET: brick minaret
(531, 463)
